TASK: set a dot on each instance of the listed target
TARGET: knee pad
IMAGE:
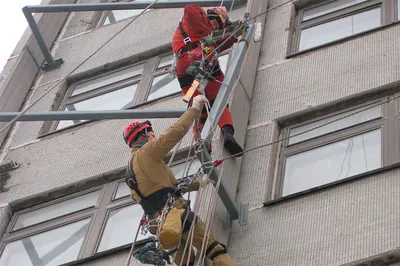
(171, 229)
(218, 252)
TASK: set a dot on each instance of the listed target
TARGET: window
(338, 146)
(398, 9)
(113, 16)
(335, 20)
(51, 234)
(77, 226)
(124, 88)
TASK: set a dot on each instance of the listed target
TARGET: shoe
(229, 141)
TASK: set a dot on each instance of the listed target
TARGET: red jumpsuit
(196, 25)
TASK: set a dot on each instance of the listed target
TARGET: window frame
(389, 123)
(51, 224)
(143, 81)
(106, 14)
(387, 18)
(98, 214)
(47, 204)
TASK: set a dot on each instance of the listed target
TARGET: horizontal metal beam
(126, 6)
(92, 115)
(53, 64)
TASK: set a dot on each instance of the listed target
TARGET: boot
(223, 260)
(229, 141)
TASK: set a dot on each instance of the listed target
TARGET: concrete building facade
(316, 107)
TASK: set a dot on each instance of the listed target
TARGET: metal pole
(226, 88)
(38, 36)
(50, 62)
(53, 64)
(223, 193)
(125, 6)
(93, 115)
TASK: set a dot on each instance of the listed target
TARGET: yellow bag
(171, 229)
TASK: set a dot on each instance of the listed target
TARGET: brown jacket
(152, 173)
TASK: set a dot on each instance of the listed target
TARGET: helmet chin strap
(146, 138)
(138, 143)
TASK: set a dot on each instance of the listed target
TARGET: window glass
(122, 190)
(357, 118)
(163, 85)
(398, 9)
(114, 100)
(340, 28)
(57, 210)
(166, 61)
(117, 15)
(180, 169)
(192, 198)
(223, 62)
(328, 8)
(107, 79)
(121, 227)
(50, 248)
(332, 162)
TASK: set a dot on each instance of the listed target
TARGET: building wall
(24, 63)
(339, 225)
(75, 155)
(334, 226)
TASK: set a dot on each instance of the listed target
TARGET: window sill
(341, 40)
(339, 182)
(107, 253)
(91, 121)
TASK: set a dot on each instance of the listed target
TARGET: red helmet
(132, 130)
(220, 15)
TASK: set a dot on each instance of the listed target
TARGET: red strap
(182, 44)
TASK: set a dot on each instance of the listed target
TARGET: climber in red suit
(195, 27)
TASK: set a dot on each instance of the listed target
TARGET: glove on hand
(199, 101)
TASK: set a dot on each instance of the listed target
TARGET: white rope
(128, 261)
(223, 33)
(210, 217)
(73, 70)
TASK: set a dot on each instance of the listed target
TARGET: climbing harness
(187, 44)
(156, 201)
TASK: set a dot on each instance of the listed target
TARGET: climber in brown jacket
(153, 184)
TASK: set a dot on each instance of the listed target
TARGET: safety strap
(186, 38)
(218, 252)
(130, 179)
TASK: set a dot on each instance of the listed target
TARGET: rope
(198, 197)
(235, 31)
(223, 33)
(128, 261)
(78, 66)
(210, 216)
